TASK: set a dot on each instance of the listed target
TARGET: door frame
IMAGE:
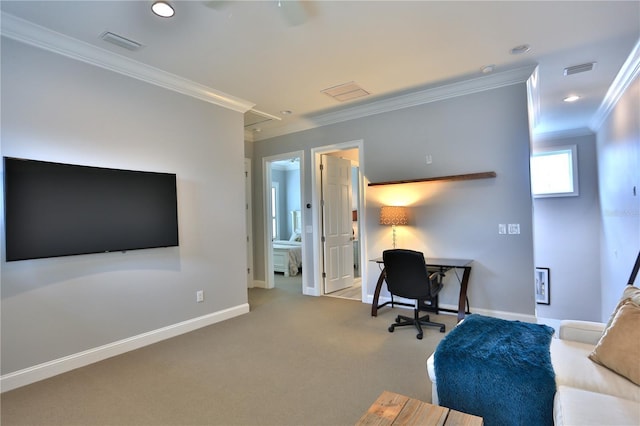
(248, 197)
(318, 246)
(266, 179)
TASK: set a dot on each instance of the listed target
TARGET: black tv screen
(54, 209)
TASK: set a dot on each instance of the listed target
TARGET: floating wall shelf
(469, 176)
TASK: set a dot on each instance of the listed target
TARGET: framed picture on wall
(542, 286)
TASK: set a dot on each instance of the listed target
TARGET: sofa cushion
(581, 331)
(573, 368)
(573, 407)
(629, 293)
(619, 346)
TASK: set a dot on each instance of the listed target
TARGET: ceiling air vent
(346, 92)
(576, 69)
(120, 41)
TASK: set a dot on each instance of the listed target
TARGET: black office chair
(407, 276)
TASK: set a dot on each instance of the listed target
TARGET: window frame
(572, 150)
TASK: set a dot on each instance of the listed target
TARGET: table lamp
(394, 215)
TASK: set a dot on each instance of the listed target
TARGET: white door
(336, 223)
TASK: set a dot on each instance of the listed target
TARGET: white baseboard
(62, 365)
(308, 291)
(259, 284)
(513, 316)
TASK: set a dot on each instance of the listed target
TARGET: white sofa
(586, 392)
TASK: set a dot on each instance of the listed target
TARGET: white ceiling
(252, 52)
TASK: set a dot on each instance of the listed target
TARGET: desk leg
(376, 294)
(462, 300)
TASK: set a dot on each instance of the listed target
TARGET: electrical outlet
(514, 228)
(200, 296)
(502, 228)
(429, 159)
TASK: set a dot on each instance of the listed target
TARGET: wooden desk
(445, 265)
(399, 410)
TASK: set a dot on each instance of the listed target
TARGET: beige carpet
(293, 360)
(294, 284)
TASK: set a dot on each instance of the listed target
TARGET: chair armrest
(581, 331)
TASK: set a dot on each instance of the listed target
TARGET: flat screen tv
(54, 209)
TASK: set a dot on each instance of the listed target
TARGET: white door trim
(249, 220)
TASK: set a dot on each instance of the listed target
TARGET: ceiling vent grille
(346, 92)
(120, 41)
(576, 69)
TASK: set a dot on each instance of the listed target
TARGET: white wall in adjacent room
(618, 143)
(567, 239)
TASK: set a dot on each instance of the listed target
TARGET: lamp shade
(394, 215)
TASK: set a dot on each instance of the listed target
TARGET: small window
(554, 172)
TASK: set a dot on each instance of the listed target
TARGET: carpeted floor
(294, 284)
(293, 360)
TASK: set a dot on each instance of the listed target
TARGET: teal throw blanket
(497, 369)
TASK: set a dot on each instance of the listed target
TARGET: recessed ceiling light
(571, 98)
(163, 9)
(286, 112)
(523, 48)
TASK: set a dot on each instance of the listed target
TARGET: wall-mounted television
(54, 209)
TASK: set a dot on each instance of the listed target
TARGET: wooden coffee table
(395, 409)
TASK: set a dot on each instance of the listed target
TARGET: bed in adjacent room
(287, 254)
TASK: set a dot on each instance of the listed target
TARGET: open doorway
(351, 217)
(284, 245)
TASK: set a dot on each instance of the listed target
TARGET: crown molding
(447, 91)
(627, 74)
(44, 38)
(562, 134)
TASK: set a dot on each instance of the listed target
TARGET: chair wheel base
(417, 322)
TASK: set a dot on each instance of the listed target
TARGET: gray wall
(485, 131)
(618, 144)
(567, 239)
(57, 109)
